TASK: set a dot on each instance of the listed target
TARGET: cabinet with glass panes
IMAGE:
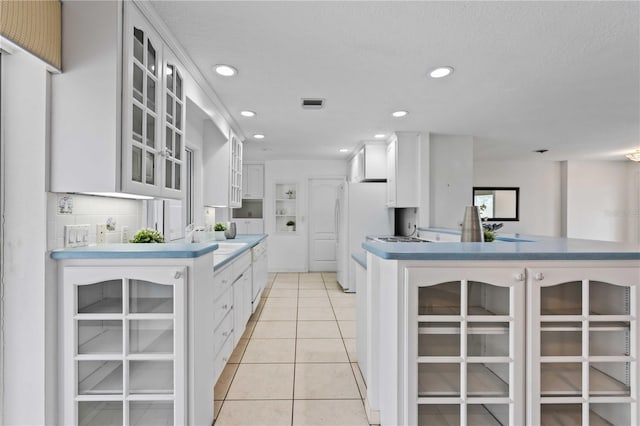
(469, 346)
(583, 346)
(131, 122)
(124, 346)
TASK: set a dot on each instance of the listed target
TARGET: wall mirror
(497, 203)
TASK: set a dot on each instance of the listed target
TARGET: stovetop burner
(401, 240)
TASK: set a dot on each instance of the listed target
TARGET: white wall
(598, 205)
(26, 355)
(290, 252)
(540, 188)
(451, 179)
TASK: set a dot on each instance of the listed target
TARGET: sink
(228, 248)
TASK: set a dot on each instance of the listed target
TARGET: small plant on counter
(291, 223)
(147, 235)
(219, 227)
(489, 235)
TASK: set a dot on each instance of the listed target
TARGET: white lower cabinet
(503, 343)
(469, 346)
(124, 345)
(583, 351)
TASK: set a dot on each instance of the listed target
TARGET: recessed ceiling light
(399, 113)
(258, 136)
(379, 136)
(225, 70)
(247, 113)
(344, 150)
(441, 72)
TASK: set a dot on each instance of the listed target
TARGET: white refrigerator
(360, 211)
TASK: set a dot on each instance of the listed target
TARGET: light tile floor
(296, 363)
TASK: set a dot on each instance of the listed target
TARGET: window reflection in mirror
(497, 203)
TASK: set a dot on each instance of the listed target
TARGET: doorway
(323, 193)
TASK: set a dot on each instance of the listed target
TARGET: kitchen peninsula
(146, 329)
(523, 330)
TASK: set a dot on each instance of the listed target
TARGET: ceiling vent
(312, 103)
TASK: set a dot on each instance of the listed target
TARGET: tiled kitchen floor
(296, 363)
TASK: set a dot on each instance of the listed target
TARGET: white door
(322, 227)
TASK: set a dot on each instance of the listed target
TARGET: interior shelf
(107, 342)
(568, 414)
(152, 305)
(107, 305)
(104, 413)
(106, 379)
(449, 414)
(444, 380)
(564, 379)
(110, 342)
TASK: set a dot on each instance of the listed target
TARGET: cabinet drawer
(221, 282)
(259, 250)
(222, 333)
(222, 306)
(222, 358)
(241, 264)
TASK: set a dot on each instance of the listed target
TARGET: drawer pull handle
(224, 307)
(225, 333)
(224, 281)
(225, 359)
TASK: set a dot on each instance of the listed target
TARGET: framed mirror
(497, 203)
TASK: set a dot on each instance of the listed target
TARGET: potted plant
(147, 235)
(290, 193)
(219, 229)
(291, 225)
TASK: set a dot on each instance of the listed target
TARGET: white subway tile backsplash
(92, 210)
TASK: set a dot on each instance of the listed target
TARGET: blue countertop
(174, 250)
(506, 247)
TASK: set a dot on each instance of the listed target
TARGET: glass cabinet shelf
(127, 345)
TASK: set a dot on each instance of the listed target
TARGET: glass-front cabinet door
(583, 346)
(124, 344)
(153, 112)
(466, 339)
(235, 177)
(142, 105)
(174, 122)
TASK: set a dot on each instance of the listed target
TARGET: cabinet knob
(519, 276)
(177, 275)
(224, 307)
(225, 333)
(225, 359)
(539, 276)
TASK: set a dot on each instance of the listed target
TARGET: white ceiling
(564, 76)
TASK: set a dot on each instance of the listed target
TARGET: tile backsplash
(75, 209)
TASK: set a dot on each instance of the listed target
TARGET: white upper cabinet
(403, 170)
(369, 164)
(118, 107)
(222, 168)
(253, 181)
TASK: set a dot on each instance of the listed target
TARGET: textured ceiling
(564, 76)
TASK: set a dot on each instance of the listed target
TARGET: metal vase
(230, 233)
(471, 226)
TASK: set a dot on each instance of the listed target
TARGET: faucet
(190, 233)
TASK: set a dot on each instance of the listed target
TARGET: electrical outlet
(76, 235)
(101, 233)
